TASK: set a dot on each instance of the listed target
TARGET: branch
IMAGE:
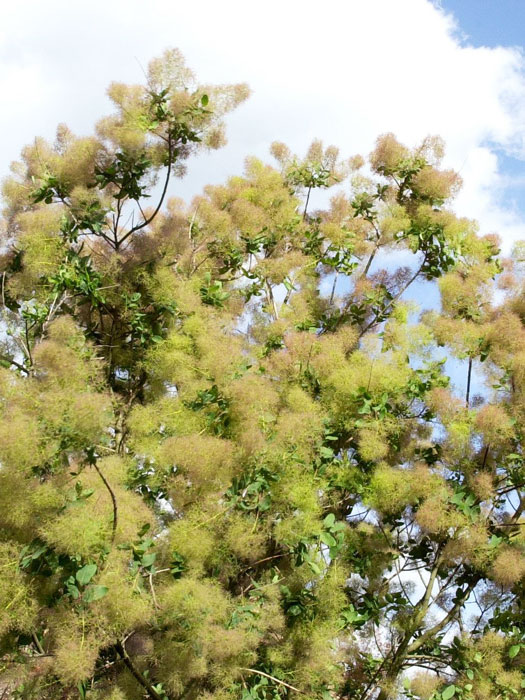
(432, 631)
(400, 654)
(116, 220)
(519, 511)
(271, 300)
(152, 588)
(260, 561)
(37, 643)
(113, 499)
(272, 678)
(136, 674)
(28, 345)
(367, 268)
(336, 275)
(138, 227)
(469, 376)
(306, 204)
(423, 604)
(20, 367)
(395, 298)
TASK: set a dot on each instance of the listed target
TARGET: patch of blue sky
(492, 24)
(426, 296)
(488, 22)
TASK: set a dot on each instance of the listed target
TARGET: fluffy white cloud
(341, 70)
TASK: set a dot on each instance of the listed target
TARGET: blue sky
(494, 23)
(489, 22)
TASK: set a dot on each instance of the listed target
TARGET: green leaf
(495, 541)
(449, 692)
(86, 573)
(457, 498)
(93, 593)
(204, 100)
(294, 610)
(314, 567)
(327, 453)
(514, 650)
(327, 538)
(329, 520)
(73, 591)
(144, 529)
(148, 559)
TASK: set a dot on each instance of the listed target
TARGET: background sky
(489, 22)
(341, 70)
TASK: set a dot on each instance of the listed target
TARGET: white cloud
(484, 192)
(342, 70)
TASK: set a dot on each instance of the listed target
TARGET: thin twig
(469, 376)
(395, 298)
(147, 221)
(152, 589)
(260, 561)
(307, 200)
(333, 287)
(27, 345)
(372, 256)
(37, 642)
(113, 499)
(272, 678)
(15, 364)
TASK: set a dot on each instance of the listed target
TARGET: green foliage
(252, 490)
(232, 464)
(212, 293)
(215, 407)
(125, 173)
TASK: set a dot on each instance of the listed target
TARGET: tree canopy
(233, 461)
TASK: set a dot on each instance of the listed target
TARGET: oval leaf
(327, 538)
(314, 567)
(449, 692)
(329, 520)
(94, 593)
(148, 559)
(86, 573)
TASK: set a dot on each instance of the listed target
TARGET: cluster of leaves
(232, 464)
